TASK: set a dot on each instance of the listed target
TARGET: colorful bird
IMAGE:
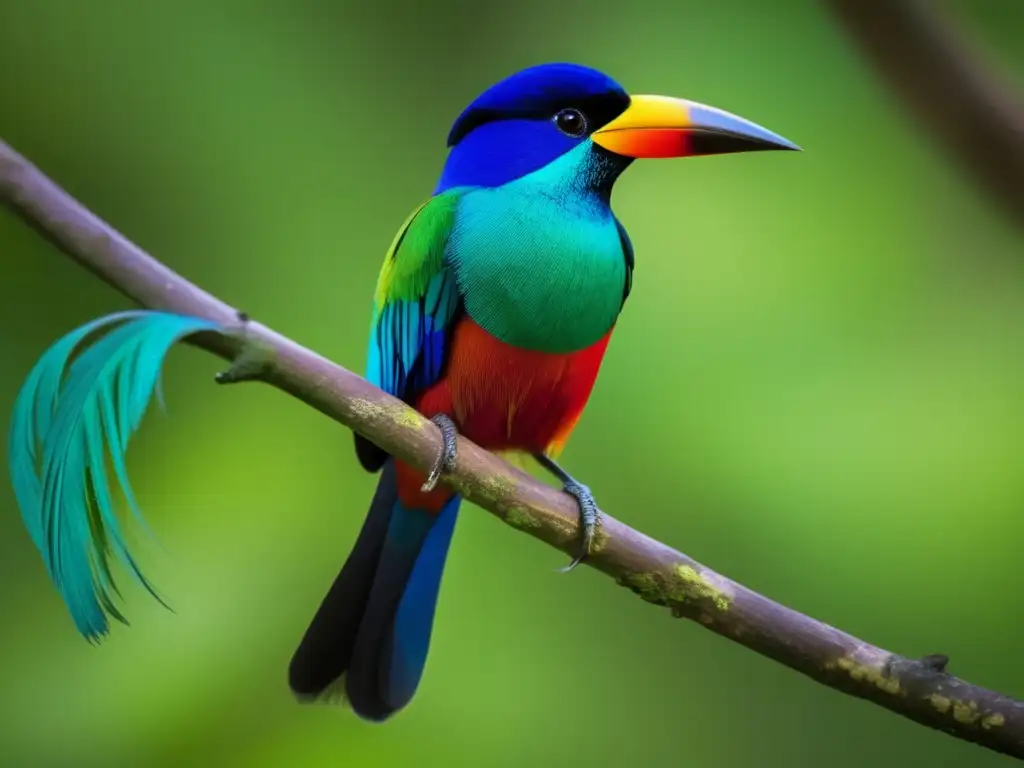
(492, 314)
(493, 311)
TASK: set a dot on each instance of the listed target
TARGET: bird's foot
(590, 518)
(449, 452)
(590, 513)
(249, 363)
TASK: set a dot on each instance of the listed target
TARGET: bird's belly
(509, 398)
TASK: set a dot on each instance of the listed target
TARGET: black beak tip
(722, 143)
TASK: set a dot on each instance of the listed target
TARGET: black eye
(571, 122)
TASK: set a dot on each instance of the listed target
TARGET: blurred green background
(817, 387)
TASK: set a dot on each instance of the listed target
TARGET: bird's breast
(510, 398)
(537, 271)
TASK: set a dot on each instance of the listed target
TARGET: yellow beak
(662, 126)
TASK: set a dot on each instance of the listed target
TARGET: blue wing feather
(417, 299)
(416, 302)
(69, 418)
(409, 339)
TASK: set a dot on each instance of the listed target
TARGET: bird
(492, 314)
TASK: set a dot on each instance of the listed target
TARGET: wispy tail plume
(72, 412)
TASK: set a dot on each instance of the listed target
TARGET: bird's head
(540, 114)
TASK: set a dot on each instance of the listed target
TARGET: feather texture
(541, 261)
(507, 132)
(512, 399)
(72, 412)
(416, 300)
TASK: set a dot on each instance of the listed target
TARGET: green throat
(540, 261)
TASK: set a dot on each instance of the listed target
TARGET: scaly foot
(449, 452)
(590, 514)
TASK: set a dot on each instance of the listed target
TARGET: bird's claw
(590, 514)
(249, 363)
(449, 452)
(590, 518)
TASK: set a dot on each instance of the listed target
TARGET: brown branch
(918, 689)
(976, 114)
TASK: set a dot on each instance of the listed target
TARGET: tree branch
(976, 116)
(918, 689)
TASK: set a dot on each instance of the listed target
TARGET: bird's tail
(368, 641)
(82, 401)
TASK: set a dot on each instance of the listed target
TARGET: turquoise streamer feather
(69, 415)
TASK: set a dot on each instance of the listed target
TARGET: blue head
(536, 116)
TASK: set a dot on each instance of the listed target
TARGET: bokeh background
(817, 387)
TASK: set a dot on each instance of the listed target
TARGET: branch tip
(252, 360)
(936, 662)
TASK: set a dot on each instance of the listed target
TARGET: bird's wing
(416, 301)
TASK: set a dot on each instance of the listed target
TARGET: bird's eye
(571, 122)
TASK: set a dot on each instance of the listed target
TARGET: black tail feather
(370, 455)
(326, 650)
(367, 676)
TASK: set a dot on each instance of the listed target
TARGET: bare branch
(918, 689)
(977, 115)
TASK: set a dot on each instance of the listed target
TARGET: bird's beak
(661, 126)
